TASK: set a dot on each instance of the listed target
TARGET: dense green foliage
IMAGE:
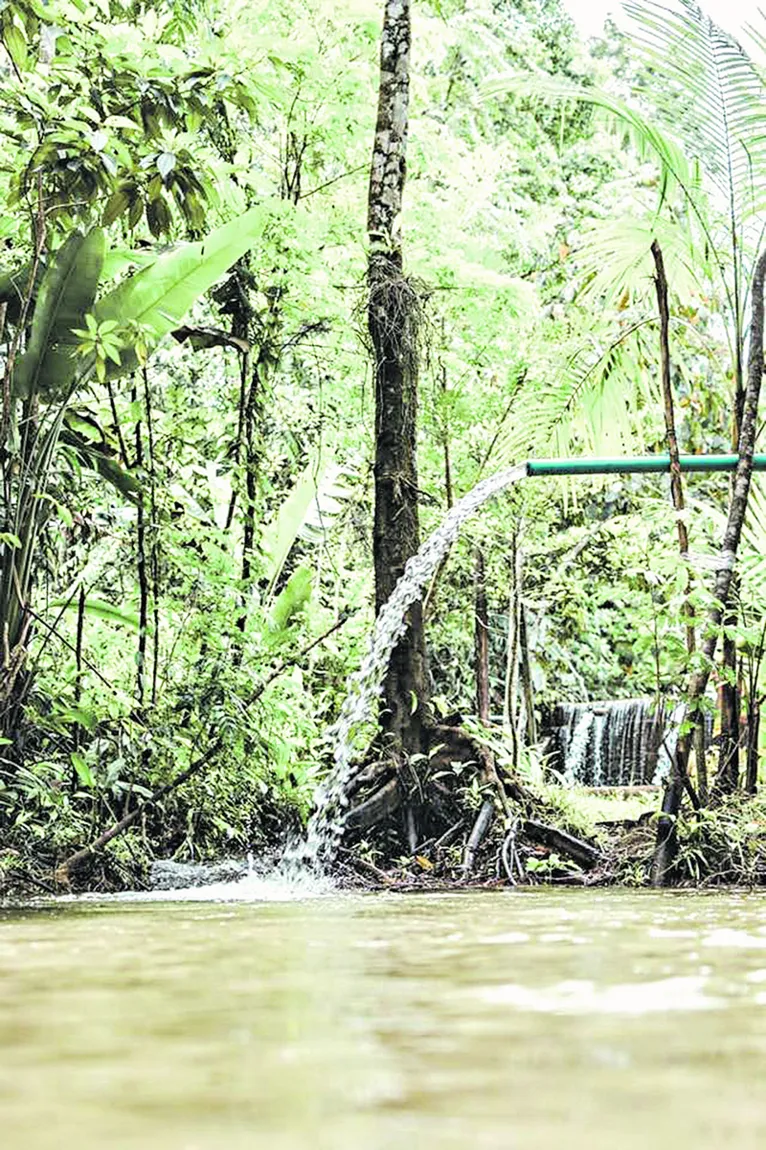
(185, 514)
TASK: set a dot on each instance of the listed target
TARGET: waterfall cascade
(609, 744)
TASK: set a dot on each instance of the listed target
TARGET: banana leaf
(158, 297)
(68, 289)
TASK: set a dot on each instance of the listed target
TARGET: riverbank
(570, 837)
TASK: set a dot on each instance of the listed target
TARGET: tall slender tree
(393, 314)
(666, 846)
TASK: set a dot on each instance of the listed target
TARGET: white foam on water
(509, 938)
(584, 997)
(288, 885)
(740, 939)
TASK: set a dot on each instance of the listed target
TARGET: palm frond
(758, 35)
(709, 131)
(584, 402)
(616, 262)
(710, 90)
(713, 94)
(646, 136)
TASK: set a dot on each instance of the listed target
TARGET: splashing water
(326, 824)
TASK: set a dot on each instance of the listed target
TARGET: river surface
(537, 1019)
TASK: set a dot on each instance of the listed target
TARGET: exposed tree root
(478, 833)
(435, 792)
(384, 802)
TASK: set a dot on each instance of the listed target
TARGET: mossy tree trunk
(393, 308)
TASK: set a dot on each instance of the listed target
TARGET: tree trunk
(393, 308)
(141, 563)
(666, 845)
(511, 691)
(677, 495)
(154, 549)
(754, 703)
(753, 731)
(77, 731)
(481, 639)
(676, 482)
(526, 678)
(727, 778)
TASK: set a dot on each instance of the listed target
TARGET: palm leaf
(710, 89)
(616, 262)
(645, 135)
(579, 402)
(710, 122)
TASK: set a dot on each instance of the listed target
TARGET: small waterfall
(599, 735)
(669, 742)
(577, 746)
(610, 743)
(326, 824)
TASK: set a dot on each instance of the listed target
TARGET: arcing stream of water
(326, 824)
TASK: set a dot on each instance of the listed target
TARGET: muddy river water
(537, 1019)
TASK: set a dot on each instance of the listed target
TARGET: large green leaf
(94, 455)
(307, 511)
(101, 609)
(48, 366)
(158, 297)
(291, 600)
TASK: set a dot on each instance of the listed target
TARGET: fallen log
(584, 854)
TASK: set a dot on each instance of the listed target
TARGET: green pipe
(637, 464)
